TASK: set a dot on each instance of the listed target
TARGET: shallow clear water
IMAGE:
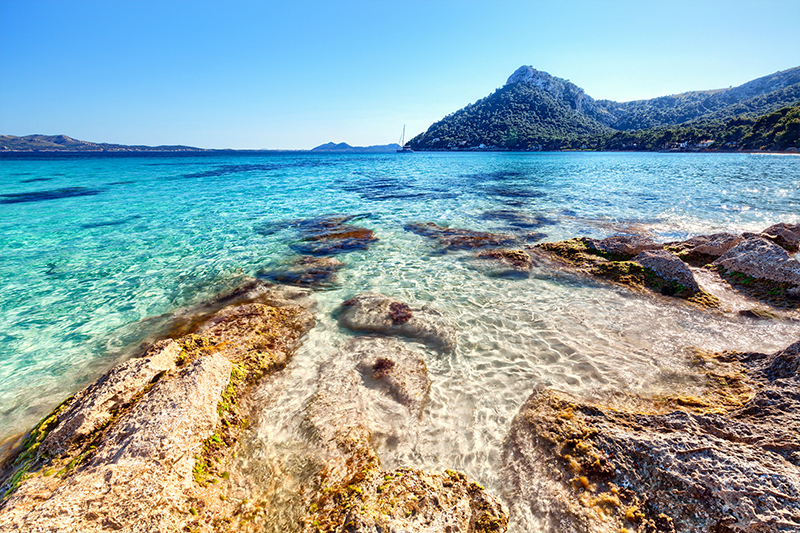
(107, 243)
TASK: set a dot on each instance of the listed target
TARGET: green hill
(62, 143)
(536, 111)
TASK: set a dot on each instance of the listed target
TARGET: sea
(99, 250)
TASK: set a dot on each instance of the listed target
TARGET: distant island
(537, 111)
(62, 143)
(344, 147)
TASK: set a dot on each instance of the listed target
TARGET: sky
(296, 74)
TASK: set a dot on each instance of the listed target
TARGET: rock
(410, 501)
(668, 266)
(330, 235)
(761, 258)
(375, 313)
(703, 249)
(508, 262)
(784, 235)
(517, 219)
(621, 247)
(135, 479)
(387, 364)
(648, 468)
(793, 293)
(95, 405)
(459, 239)
(307, 271)
(759, 313)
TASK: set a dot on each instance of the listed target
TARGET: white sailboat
(405, 148)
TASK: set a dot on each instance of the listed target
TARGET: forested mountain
(535, 110)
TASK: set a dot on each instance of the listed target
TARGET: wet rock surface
(622, 247)
(731, 466)
(307, 271)
(784, 235)
(379, 314)
(668, 266)
(761, 258)
(506, 262)
(704, 249)
(451, 239)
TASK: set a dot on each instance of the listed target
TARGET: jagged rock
(307, 271)
(668, 266)
(784, 235)
(94, 406)
(387, 364)
(410, 501)
(646, 468)
(703, 249)
(135, 479)
(376, 313)
(623, 246)
(761, 258)
(459, 239)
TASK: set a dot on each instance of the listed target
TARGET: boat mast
(403, 137)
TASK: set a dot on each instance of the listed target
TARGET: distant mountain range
(535, 110)
(62, 143)
(344, 147)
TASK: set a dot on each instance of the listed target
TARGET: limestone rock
(703, 249)
(376, 313)
(668, 266)
(785, 235)
(136, 478)
(410, 501)
(332, 235)
(387, 364)
(623, 246)
(651, 469)
(761, 258)
(94, 405)
(508, 262)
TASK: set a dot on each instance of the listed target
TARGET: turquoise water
(95, 249)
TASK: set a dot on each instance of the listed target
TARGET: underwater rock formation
(760, 258)
(668, 266)
(307, 271)
(331, 235)
(727, 463)
(346, 416)
(138, 449)
(376, 313)
(507, 262)
(451, 239)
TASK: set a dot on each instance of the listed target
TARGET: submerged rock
(669, 267)
(735, 467)
(703, 249)
(376, 313)
(517, 219)
(307, 271)
(784, 235)
(508, 262)
(388, 364)
(331, 235)
(761, 258)
(459, 239)
(622, 247)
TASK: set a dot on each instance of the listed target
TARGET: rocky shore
(151, 445)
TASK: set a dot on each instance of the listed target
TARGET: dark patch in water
(518, 219)
(53, 194)
(109, 223)
(493, 176)
(514, 192)
(123, 182)
(382, 188)
(225, 170)
(33, 180)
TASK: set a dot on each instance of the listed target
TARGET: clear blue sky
(297, 74)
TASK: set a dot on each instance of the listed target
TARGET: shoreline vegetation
(152, 445)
